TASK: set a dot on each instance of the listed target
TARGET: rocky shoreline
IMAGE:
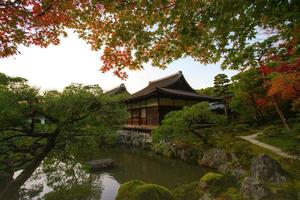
(254, 180)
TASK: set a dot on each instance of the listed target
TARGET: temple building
(147, 107)
(121, 89)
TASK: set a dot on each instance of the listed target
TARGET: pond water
(130, 164)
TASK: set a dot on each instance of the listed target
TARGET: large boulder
(138, 190)
(96, 165)
(254, 189)
(226, 163)
(266, 169)
(214, 158)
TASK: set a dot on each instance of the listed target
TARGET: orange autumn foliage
(287, 86)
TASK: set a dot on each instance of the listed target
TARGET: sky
(73, 61)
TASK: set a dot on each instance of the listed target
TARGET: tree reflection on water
(60, 177)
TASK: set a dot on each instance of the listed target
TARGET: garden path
(276, 150)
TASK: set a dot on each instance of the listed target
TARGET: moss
(217, 184)
(210, 176)
(189, 191)
(138, 190)
(231, 193)
(290, 190)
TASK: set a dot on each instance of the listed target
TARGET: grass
(286, 142)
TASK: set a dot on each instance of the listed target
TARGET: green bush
(184, 124)
(242, 127)
(189, 191)
(138, 190)
(210, 176)
(296, 131)
(272, 131)
(216, 183)
(231, 193)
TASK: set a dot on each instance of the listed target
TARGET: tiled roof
(190, 94)
(174, 84)
(117, 90)
(163, 82)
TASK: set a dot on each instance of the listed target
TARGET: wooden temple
(121, 89)
(147, 107)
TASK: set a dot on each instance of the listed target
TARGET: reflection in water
(56, 179)
(109, 186)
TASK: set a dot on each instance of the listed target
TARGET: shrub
(272, 131)
(184, 124)
(216, 183)
(210, 176)
(189, 191)
(231, 193)
(138, 190)
(296, 131)
(241, 127)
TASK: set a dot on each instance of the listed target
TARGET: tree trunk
(27, 172)
(258, 116)
(283, 119)
(275, 103)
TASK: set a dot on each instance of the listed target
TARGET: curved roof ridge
(166, 77)
(122, 85)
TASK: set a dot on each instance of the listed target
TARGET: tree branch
(42, 135)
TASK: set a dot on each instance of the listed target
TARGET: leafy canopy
(31, 122)
(131, 33)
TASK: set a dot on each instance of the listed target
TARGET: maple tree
(134, 32)
(281, 74)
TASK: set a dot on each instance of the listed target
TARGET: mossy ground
(138, 190)
(189, 191)
(210, 176)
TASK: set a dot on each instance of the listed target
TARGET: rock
(233, 169)
(97, 165)
(138, 190)
(254, 189)
(226, 163)
(263, 170)
(188, 155)
(266, 169)
(214, 158)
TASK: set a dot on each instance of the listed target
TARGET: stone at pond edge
(226, 163)
(96, 165)
(138, 190)
(214, 158)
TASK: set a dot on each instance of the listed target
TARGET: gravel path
(276, 150)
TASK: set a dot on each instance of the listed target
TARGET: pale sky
(73, 61)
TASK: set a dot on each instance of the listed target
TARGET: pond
(70, 178)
